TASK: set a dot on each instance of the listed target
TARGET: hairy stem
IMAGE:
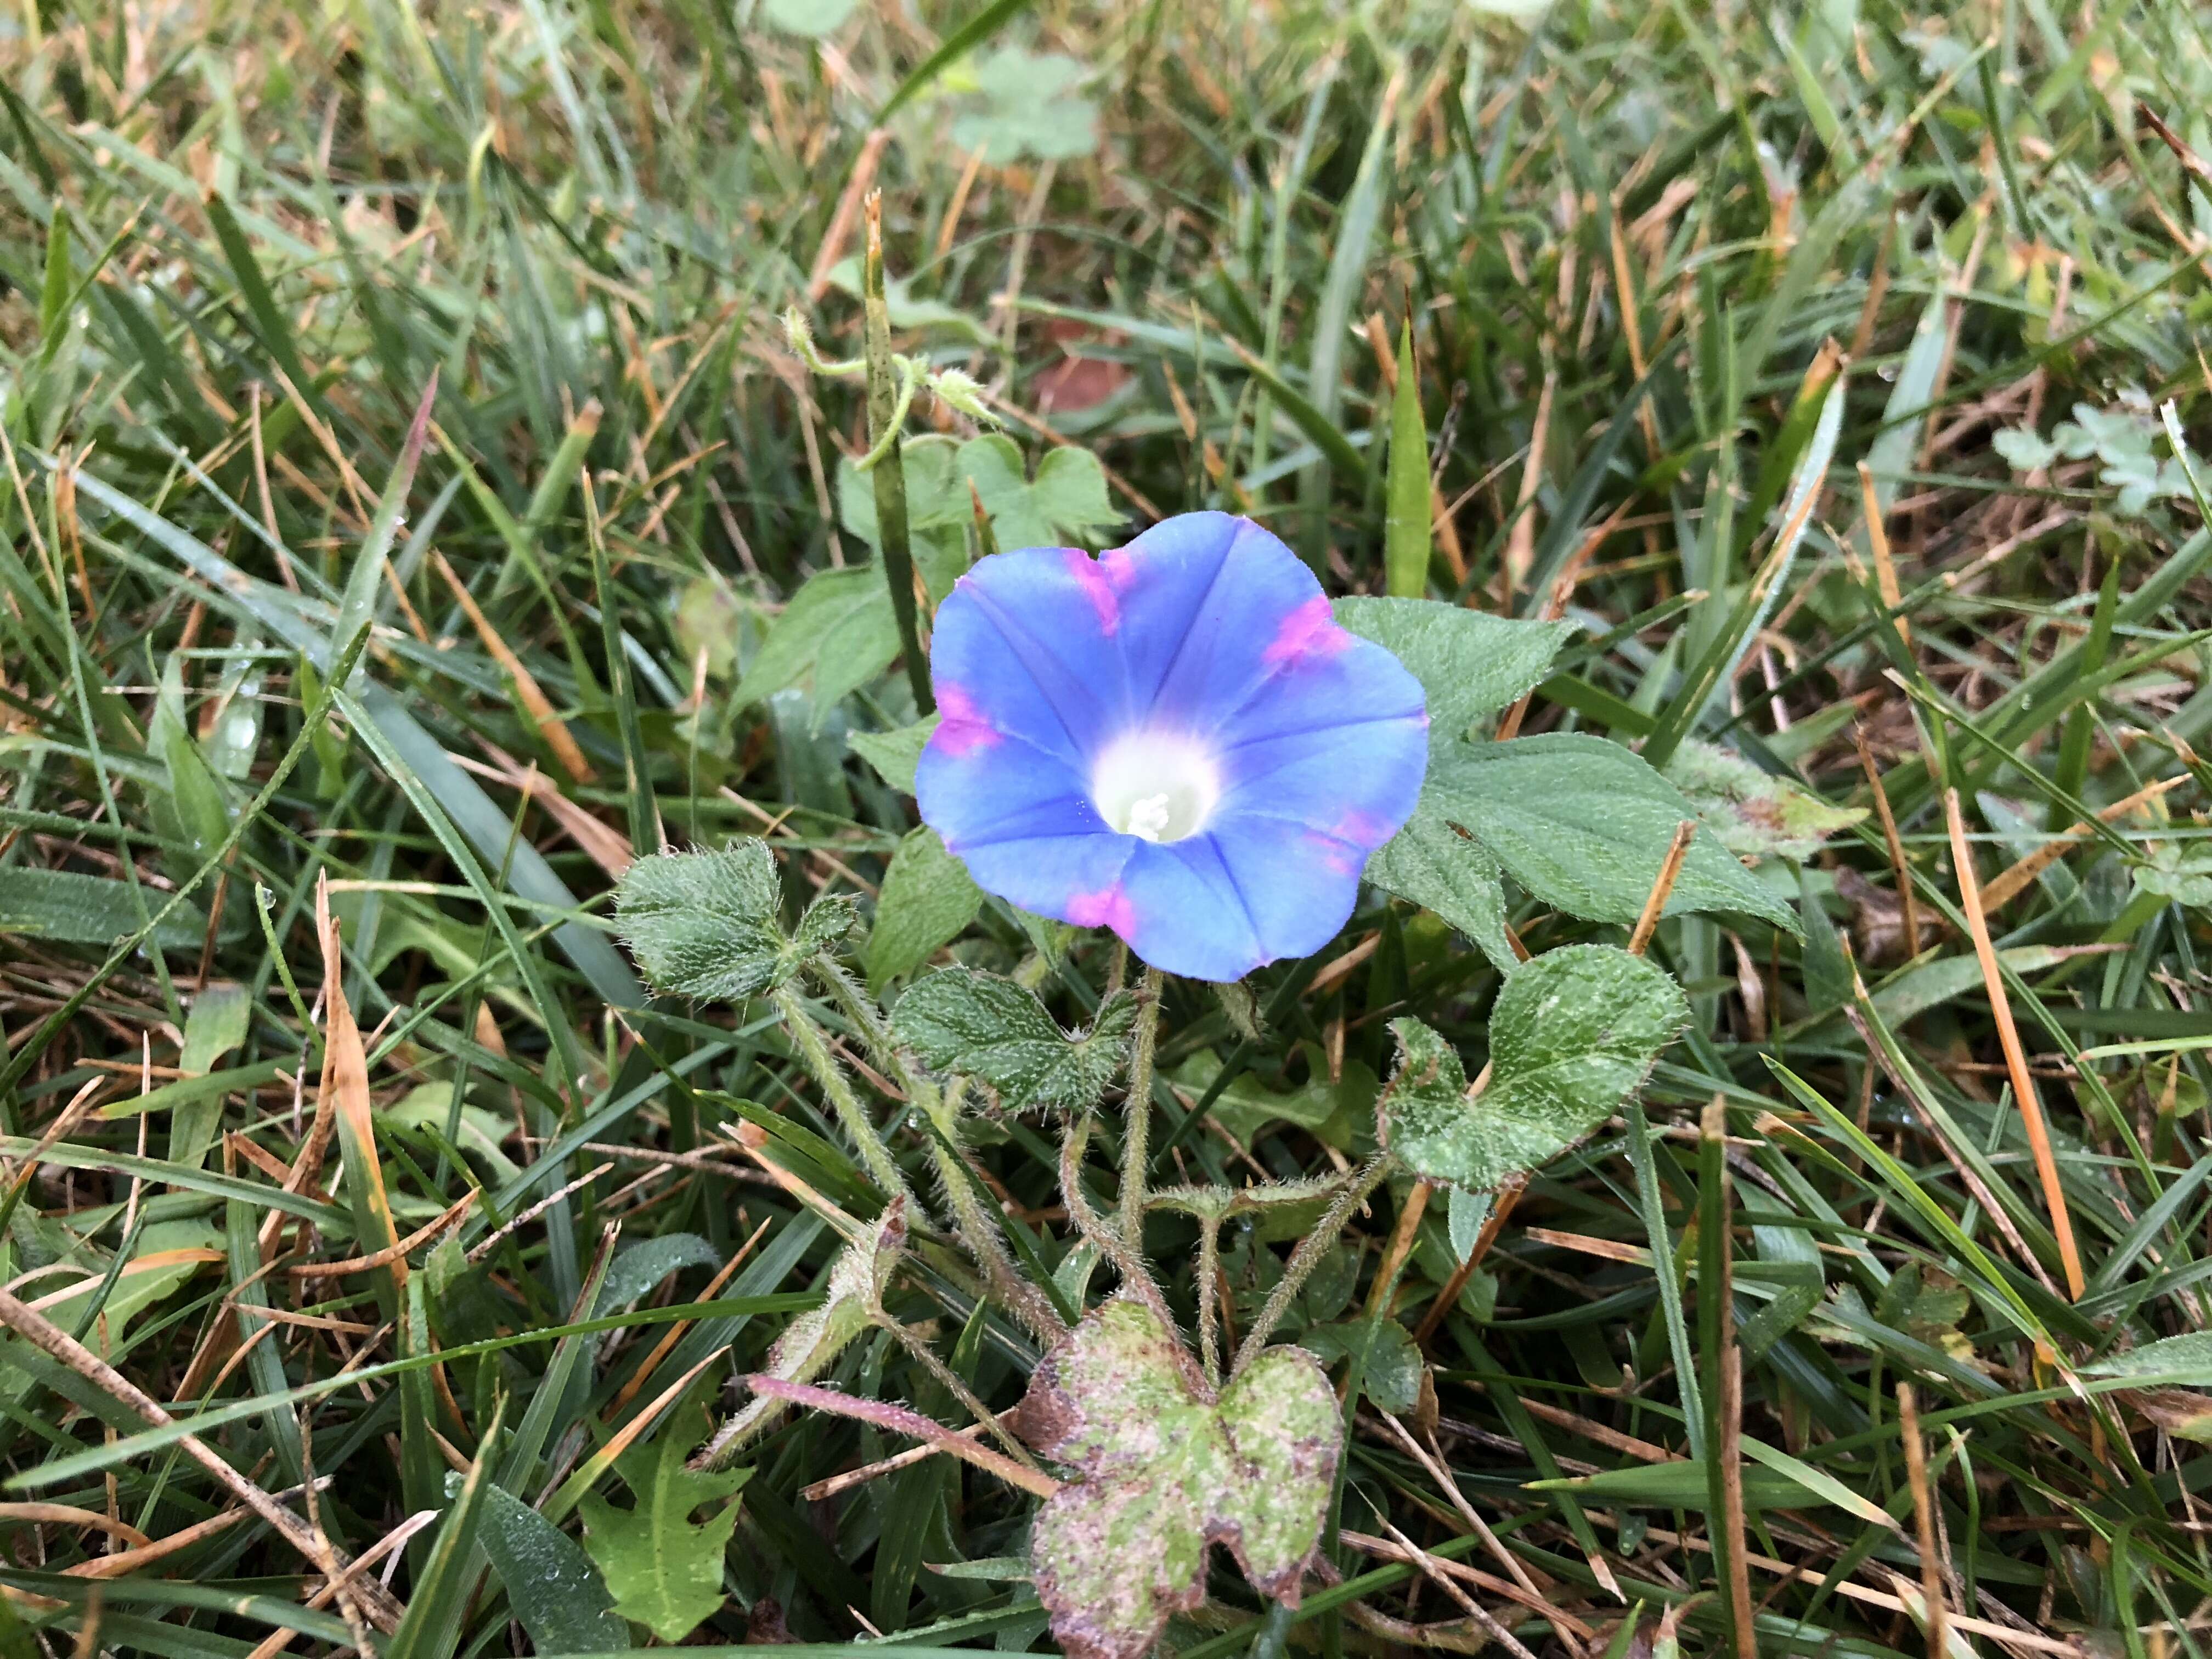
(868, 1019)
(1096, 1230)
(925, 1357)
(814, 1049)
(980, 1230)
(1209, 1288)
(1307, 1255)
(1136, 1131)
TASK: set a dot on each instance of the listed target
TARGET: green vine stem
(1136, 1130)
(1105, 1237)
(1307, 1255)
(1209, 1291)
(979, 1228)
(814, 1049)
(890, 391)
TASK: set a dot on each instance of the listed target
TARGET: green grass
(241, 247)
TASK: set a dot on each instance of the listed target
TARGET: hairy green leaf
(1163, 1471)
(1572, 1036)
(1470, 663)
(1432, 865)
(1584, 824)
(997, 1032)
(704, 925)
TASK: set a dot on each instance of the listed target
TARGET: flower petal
(1025, 637)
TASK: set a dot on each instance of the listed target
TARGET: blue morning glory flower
(1174, 740)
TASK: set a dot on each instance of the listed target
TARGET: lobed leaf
(1572, 1036)
(1164, 1472)
(664, 1569)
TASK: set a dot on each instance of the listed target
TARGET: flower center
(1156, 786)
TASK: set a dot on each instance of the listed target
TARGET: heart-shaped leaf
(994, 1030)
(1573, 1034)
(1584, 824)
(1163, 1472)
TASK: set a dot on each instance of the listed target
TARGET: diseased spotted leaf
(1469, 663)
(1753, 812)
(928, 899)
(704, 923)
(1584, 824)
(1573, 1034)
(664, 1568)
(995, 1031)
(1162, 1472)
(1430, 864)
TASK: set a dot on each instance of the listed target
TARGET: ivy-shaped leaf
(664, 1568)
(1572, 1036)
(1164, 1472)
(1031, 108)
(997, 1032)
(704, 925)
(1064, 503)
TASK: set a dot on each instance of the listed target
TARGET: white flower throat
(1156, 786)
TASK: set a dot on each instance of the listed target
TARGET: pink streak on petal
(1310, 631)
(1099, 585)
(964, 728)
(1340, 858)
(1362, 829)
(1108, 907)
